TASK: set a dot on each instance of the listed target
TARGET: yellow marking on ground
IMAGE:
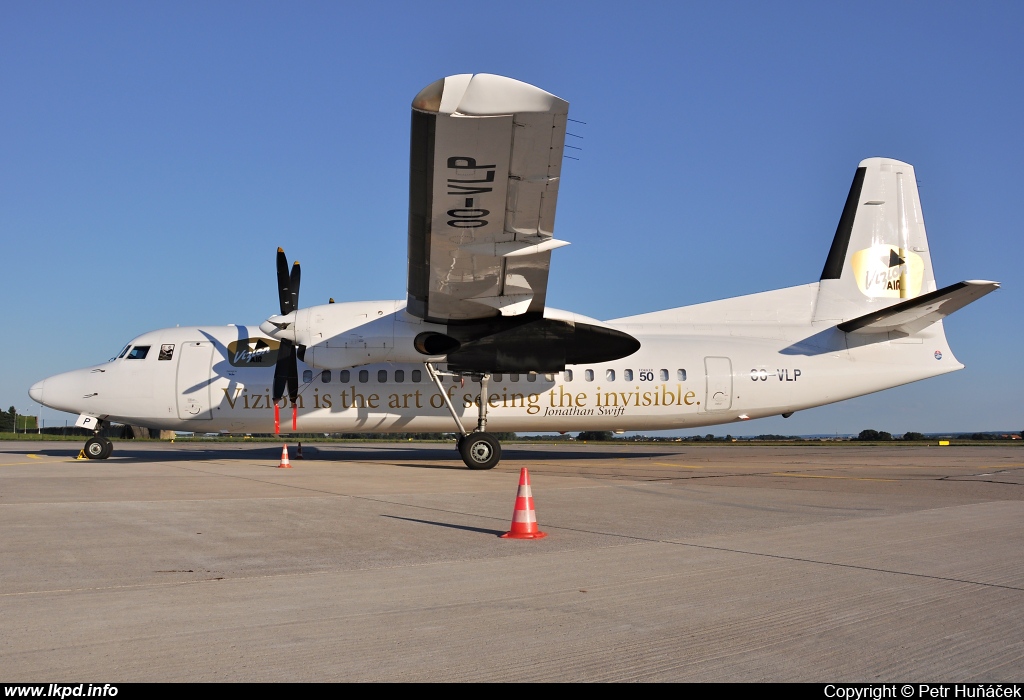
(16, 464)
(31, 456)
(822, 476)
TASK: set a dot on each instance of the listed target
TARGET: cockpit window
(166, 351)
(124, 351)
(139, 352)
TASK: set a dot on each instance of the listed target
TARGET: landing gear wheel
(98, 447)
(480, 450)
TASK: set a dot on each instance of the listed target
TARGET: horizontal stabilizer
(920, 312)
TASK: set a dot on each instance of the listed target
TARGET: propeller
(286, 372)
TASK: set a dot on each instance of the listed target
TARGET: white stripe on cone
(524, 516)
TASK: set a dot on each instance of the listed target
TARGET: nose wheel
(98, 447)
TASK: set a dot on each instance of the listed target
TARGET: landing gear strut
(98, 447)
(479, 449)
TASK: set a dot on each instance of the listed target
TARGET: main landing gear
(98, 447)
(479, 449)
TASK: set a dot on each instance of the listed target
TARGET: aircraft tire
(480, 450)
(98, 448)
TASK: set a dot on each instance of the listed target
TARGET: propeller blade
(284, 284)
(293, 284)
(286, 372)
(293, 381)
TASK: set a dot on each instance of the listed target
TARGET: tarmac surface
(370, 562)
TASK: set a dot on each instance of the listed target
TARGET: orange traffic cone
(524, 517)
(285, 464)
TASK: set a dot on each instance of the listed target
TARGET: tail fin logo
(886, 271)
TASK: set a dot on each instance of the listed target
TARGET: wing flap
(917, 314)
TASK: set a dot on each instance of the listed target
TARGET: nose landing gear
(98, 447)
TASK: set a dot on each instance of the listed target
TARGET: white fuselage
(714, 363)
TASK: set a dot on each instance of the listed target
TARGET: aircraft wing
(486, 158)
(920, 312)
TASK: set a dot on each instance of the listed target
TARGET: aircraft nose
(36, 392)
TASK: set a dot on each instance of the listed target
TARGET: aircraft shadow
(412, 456)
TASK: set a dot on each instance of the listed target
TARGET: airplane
(475, 339)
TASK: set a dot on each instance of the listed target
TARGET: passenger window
(531, 377)
(417, 376)
(549, 377)
(496, 377)
(344, 376)
(627, 374)
(399, 375)
(166, 352)
(681, 375)
(589, 375)
(139, 352)
(609, 375)
(364, 376)
(513, 377)
(568, 375)
(307, 376)
(664, 375)
(325, 377)
(382, 376)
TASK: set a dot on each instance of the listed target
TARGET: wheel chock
(81, 455)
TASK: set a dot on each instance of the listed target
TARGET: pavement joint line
(167, 500)
(792, 558)
(311, 574)
(828, 476)
(851, 566)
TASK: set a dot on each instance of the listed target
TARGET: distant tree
(913, 436)
(596, 435)
(868, 435)
(7, 420)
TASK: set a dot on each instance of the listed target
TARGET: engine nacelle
(339, 336)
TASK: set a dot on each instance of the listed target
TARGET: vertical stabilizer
(879, 255)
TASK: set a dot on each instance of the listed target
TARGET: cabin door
(718, 371)
(194, 363)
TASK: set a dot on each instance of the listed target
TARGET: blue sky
(154, 155)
